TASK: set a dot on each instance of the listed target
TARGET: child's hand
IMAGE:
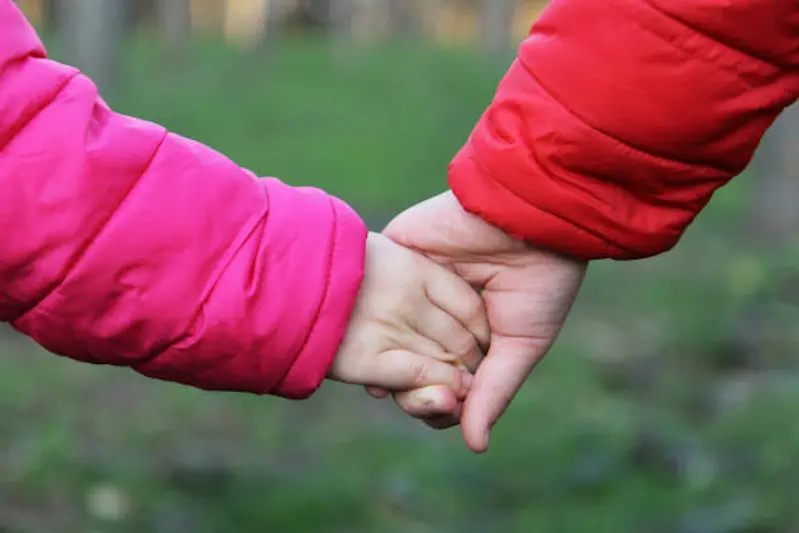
(415, 324)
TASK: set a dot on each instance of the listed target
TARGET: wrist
(515, 243)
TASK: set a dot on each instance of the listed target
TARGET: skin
(412, 322)
(527, 293)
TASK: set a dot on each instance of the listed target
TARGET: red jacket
(620, 118)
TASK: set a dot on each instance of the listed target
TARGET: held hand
(527, 294)
(412, 323)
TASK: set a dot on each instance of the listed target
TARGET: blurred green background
(667, 406)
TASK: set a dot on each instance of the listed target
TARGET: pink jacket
(125, 244)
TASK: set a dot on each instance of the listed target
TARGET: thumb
(500, 376)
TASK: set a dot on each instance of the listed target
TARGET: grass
(650, 416)
(376, 126)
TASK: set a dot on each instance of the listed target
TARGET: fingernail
(423, 399)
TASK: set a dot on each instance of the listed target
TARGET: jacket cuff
(486, 197)
(347, 255)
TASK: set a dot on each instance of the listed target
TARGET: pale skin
(527, 294)
(413, 325)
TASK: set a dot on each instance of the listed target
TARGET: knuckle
(477, 321)
(474, 308)
(465, 344)
(419, 373)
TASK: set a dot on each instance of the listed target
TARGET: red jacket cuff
(482, 195)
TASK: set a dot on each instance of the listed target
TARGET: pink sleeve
(124, 244)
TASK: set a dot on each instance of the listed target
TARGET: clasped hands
(424, 320)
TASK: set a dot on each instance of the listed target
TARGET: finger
(436, 407)
(428, 402)
(458, 299)
(499, 378)
(377, 393)
(441, 327)
(421, 344)
(400, 370)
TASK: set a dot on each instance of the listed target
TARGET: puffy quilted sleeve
(128, 245)
(620, 118)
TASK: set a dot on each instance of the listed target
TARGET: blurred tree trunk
(496, 25)
(275, 17)
(342, 17)
(92, 33)
(342, 26)
(772, 241)
(174, 22)
(141, 13)
(773, 219)
(403, 17)
(335, 17)
(52, 16)
(320, 12)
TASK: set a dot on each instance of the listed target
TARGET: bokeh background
(669, 404)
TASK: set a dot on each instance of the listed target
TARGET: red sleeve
(620, 118)
(127, 245)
